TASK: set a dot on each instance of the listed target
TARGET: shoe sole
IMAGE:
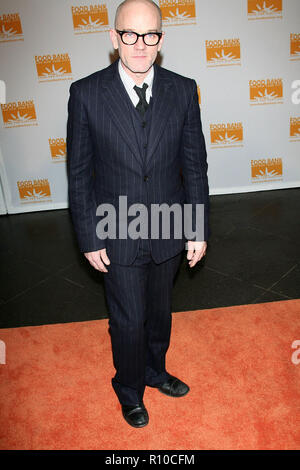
(173, 396)
(136, 425)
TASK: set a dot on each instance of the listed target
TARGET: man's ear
(161, 41)
(114, 38)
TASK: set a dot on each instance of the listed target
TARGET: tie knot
(141, 92)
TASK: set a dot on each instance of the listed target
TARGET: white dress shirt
(129, 83)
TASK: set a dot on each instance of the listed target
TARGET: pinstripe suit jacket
(104, 160)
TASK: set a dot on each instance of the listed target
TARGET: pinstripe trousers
(139, 303)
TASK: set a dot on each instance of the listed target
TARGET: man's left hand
(196, 250)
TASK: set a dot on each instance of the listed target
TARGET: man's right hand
(97, 259)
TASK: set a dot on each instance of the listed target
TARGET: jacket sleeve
(80, 171)
(194, 165)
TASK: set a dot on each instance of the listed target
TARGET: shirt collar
(129, 83)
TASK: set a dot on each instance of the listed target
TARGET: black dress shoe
(135, 415)
(174, 387)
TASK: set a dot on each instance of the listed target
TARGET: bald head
(147, 3)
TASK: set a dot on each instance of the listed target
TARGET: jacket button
(146, 177)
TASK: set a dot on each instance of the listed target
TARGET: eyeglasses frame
(121, 32)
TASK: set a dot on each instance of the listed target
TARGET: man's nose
(140, 43)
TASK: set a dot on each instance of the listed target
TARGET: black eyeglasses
(129, 38)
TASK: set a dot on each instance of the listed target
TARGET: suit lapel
(116, 102)
(163, 101)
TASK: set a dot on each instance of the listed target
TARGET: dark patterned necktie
(142, 104)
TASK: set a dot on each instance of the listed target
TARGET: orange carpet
(55, 387)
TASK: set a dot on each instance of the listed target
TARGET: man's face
(139, 18)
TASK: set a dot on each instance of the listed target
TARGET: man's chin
(141, 69)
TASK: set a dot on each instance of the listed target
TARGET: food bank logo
(37, 190)
(19, 113)
(266, 169)
(177, 12)
(295, 46)
(223, 52)
(295, 129)
(228, 134)
(199, 94)
(11, 28)
(264, 9)
(58, 150)
(266, 91)
(53, 67)
(90, 18)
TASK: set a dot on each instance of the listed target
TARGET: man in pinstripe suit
(134, 129)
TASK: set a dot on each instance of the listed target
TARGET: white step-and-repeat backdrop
(243, 54)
